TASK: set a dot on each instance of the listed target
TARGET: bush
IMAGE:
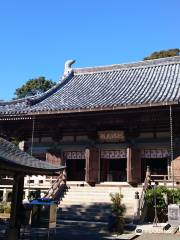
(5, 207)
(34, 195)
(164, 196)
(118, 209)
(1, 208)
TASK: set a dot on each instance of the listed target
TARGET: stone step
(99, 197)
(113, 184)
(90, 212)
(97, 190)
(94, 210)
(84, 216)
(70, 224)
(127, 193)
(86, 198)
(81, 212)
(104, 189)
(85, 202)
(84, 207)
(88, 205)
(92, 204)
(66, 209)
(96, 194)
(90, 217)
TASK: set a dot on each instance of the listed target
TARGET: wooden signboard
(111, 136)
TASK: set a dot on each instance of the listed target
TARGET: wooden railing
(57, 187)
(146, 185)
(166, 179)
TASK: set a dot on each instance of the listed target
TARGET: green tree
(33, 87)
(163, 54)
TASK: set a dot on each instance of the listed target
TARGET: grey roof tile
(141, 83)
(10, 154)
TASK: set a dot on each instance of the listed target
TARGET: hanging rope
(32, 136)
(171, 145)
(31, 148)
(171, 133)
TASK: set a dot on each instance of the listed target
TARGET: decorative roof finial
(67, 67)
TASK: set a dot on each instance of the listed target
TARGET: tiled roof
(12, 155)
(145, 83)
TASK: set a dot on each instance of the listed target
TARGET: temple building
(106, 124)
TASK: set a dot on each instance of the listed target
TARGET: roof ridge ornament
(67, 68)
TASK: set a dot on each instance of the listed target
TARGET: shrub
(164, 196)
(34, 195)
(1, 208)
(5, 207)
(118, 210)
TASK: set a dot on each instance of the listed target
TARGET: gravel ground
(159, 237)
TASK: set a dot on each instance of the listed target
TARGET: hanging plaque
(111, 136)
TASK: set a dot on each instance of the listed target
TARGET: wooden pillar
(133, 166)
(175, 169)
(16, 207)
(92, 174)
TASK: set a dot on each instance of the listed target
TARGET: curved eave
(29, 115)
(12, 167)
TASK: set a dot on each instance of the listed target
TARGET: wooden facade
(104, 123)
(99, 147)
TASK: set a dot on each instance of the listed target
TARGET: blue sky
(38, 36)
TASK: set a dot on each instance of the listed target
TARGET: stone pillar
(133, 165)
(26, 193)
(16, 208)
(4, 195)
(136, 208)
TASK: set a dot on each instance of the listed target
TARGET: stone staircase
(92, 205)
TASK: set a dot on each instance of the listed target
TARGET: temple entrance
(113, 165)
(158, 166)
(75, 169)
(156, 159)
(113, 170)
(75, 165)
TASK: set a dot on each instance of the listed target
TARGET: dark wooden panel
(92, 165)
(133, 165)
